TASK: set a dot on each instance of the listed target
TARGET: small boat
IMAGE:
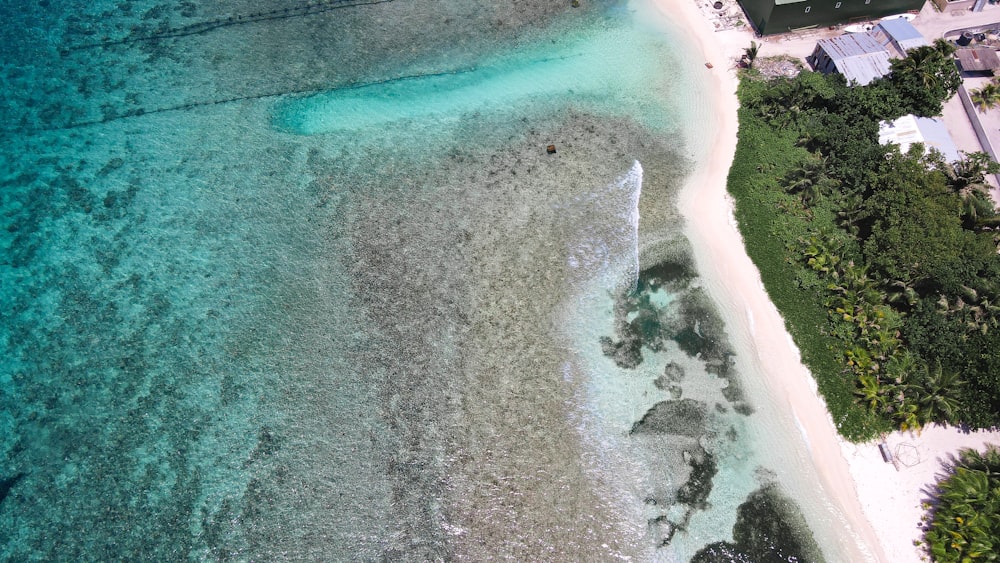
(859, 28)
(907, 17)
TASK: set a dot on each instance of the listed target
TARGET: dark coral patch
(627, 352)
(695, 491)
(769, 529)
(668, 272)
(685, 417)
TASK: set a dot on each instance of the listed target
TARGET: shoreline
(733, 280)
(879, 501)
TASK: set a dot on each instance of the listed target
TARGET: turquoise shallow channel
(301, 281)
(608, 70)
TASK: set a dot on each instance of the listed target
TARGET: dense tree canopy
(885, 264)
(911, 224)
(926, 78)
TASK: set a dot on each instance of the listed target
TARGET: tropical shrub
(965, 523)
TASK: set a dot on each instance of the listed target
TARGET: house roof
(911, 129)
(900, 29)
(899, 33)
(858, 56)
(975, 59)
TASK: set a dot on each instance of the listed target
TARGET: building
(960, 5)
(978, 60)
(779, 16)
(858, 56)
(911, 129)
(898, 35)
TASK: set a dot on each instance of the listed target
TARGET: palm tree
(861, 361)
(977, 208)
(984, 315)
(902, 293)
(822, 252)
(969, 173)
(987, 461)
(938, 396)
(925, 77)
(987, 97)
(907, 415)
(851, 210)
(809, 179)
(978, 309)
(969, 487)
(919, 62)
(857, 278)
(900, 368)
(966, 178)
(945, 49)
(883, 341)
(871, 393)
(966, 523)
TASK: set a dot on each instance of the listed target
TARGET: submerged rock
(669, 381)
(672, 372)
(626, 353)
(769, 529)
(663, 530)
(695, 491)
(8, 483)
(677, 272)
(721, 552)
(685, 417)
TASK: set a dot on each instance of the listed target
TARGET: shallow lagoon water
(310, 286)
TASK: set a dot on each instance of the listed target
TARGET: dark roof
(978, 59)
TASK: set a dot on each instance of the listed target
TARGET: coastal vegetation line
(884, 266)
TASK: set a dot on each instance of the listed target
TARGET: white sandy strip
(734, 281)
(892, 497)
(882, 504)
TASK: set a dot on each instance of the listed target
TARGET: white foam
(606, 248)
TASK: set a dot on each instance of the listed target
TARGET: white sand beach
(881, 502)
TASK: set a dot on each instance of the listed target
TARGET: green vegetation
(883, 264)
(965, 525)
(987, 97)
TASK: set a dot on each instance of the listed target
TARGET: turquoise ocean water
(301, 281)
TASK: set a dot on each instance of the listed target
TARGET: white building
(911, 129)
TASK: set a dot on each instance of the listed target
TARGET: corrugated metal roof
(911, 129)
(862, 70)
(850, 45)
(899, 35)
(899, 29)
(908, 44)
(976, 59)
(858, 56)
